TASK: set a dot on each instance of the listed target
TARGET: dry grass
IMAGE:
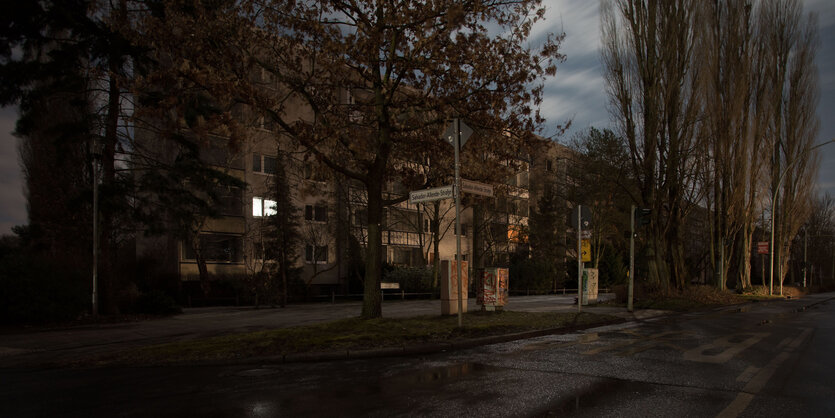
(690, 298)
(351, 334)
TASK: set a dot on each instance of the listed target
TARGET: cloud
(579, 19)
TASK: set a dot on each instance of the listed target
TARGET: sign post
(580, 219)
(457, 134)
(631, 260)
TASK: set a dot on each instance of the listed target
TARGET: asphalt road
(759, 360)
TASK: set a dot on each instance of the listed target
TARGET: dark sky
(576, 93)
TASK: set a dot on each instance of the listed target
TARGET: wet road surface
(763, 359)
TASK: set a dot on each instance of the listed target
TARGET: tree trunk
(372, 300)
(202, 269)
(436, 242)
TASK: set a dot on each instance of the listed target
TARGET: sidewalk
(64, 345)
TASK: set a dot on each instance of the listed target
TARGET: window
(263, 164)
(361, 217)
(463, 230)
(217, 248)
(263, 207)
(316, 213)
(549, 166)
(269, 165)
(229, 201)
(316, 254)
(401, 256)
(516, 233)
(426, 225)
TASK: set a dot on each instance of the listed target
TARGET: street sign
(430, 195)
(585, 234)
(762, 247)
(585, 217)
(474, 187)
(449, 133)
(585, 251)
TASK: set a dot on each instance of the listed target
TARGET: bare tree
(728, 56)
(791, 43)
(651, 78)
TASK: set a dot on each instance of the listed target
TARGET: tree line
(714, 111)
(363, 87)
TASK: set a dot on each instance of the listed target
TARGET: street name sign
(474, 187)
(430, 195)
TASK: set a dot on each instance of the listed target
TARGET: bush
(411, 279)
(157, 303)
(34, 290)
(530, 275)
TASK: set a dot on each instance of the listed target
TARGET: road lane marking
(784, 343)
(747, 374)
(797, 341)
(729, 348)
(758, 382)
(737, 406)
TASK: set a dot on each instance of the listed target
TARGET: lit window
(269, 207)
(263, 207)
(257, 207)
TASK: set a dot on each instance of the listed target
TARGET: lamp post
(96, 149)
(774, 196)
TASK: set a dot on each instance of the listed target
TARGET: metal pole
(579, 259)
(805, 247)
(457, 191)
(771, 249)
(631, 260)
(95, 295)
(721, 283)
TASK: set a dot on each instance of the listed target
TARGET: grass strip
(352, 334)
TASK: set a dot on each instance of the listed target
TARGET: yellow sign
(585, 250)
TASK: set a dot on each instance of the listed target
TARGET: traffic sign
(585, 250)
(449, 133)
(762, 247)
(585, 217)
(430, 195)
(474, 187)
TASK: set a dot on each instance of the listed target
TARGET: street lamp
(774, 196)
(96, 149)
